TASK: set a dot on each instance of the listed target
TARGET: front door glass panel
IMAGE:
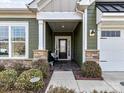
(62, 46)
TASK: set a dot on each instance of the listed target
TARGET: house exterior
(76, 30)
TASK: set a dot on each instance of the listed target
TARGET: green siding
(48, 38)
(33, 32)
(91, 22)
(78, 44)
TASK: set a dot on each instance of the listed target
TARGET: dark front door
(62, 48)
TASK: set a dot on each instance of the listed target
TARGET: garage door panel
(112, 67)
(112, 53)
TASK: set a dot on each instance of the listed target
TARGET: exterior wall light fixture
(92, 32)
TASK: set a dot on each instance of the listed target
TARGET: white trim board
(17, 16)
(84, 34)
(58, 16)
(106, 17)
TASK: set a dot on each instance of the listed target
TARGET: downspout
(84, 34)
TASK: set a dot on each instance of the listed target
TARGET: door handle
(103, 38)
(103, 61)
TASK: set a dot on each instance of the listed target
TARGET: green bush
(2, 67)
(8, 78)
(15, 91)
(95, 91)
(43, 66)
(23, 81)
(91, 69)
(18, 67)
(60, 90)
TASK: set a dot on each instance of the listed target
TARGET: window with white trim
(14, 40)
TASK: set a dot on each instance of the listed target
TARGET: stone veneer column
(92, 55)
(41, 53)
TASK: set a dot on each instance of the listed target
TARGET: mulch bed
(78, 76)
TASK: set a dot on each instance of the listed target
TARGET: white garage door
(112, 50)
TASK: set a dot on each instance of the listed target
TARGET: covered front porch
(63, 30)
(65, 40)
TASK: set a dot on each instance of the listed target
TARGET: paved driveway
(113, 79)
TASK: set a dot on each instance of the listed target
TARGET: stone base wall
(37, 54)
(40, 54)
(10, 62)
(92, 55)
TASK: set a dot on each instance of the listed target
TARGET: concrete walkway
(111, 82)
(87, 86)
(65, 79)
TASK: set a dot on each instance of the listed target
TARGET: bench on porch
(52, 58)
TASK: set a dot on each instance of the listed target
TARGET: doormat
(122, 83)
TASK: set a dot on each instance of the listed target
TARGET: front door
(63, 48)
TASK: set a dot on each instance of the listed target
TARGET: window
(110, 34)
(18, 41)
(4, 43)
(13, 40)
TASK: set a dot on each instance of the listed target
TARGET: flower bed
(90, 70)
(78, 76)
(22, 71)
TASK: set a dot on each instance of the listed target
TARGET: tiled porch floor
(66, 66)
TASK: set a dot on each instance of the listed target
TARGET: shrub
(23, 81)
(91, 69)
(95, 91)
(15, 91)
(19, 67)
(60, 90)
(8, 78)
(43, 66)
(2, 67)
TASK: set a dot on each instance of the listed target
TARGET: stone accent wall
(10, 62)
(92, 55)
(40, 54)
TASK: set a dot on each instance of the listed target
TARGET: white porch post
(84, 44)
(41, 35)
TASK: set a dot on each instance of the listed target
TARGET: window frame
(110, 30)
(16, 23)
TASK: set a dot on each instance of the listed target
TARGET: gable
(59, 6)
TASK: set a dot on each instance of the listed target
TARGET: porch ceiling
(63, 26)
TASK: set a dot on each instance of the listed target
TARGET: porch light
(92, 32)
(63, 26)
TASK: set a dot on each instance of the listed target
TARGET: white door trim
(68, 48)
